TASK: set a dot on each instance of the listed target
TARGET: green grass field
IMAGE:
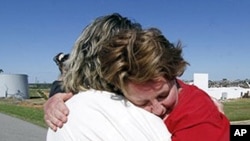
(27, 113)
(30, 110)
(235, 110)
(238, 109)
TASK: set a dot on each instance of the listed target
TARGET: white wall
(201, 80)
(229, 92)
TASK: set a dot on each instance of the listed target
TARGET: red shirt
(196, 118)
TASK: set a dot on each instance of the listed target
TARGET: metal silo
(14, 85)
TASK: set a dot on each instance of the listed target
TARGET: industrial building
(221, 93)
(14, 85)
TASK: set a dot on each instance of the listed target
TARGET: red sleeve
(196, 118)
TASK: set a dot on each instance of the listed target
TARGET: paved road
(13, 129)
(244, 122)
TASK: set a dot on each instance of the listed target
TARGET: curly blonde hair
(83, 64)
(139, 56)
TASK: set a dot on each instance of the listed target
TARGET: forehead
(154, 84)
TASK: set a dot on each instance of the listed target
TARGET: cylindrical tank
(14, 85)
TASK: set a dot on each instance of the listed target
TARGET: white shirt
(103, 116)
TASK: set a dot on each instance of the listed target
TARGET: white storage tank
(14, 85)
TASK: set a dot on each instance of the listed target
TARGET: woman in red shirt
(144, 66)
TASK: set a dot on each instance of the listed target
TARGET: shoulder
(190, 91)
(93, 112)
(93, 97)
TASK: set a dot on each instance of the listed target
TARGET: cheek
(171, 100)
(147, 108)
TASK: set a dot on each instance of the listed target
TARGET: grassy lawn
(22, 111)
(238, 109)
(31, 110)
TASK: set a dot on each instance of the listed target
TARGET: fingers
(56, 111)
(67, 96)
(50, 124)
(60, 112)
(55, 120)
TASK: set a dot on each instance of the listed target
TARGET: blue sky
(215, 33)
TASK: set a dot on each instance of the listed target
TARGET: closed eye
(142, 104)
(162, 96)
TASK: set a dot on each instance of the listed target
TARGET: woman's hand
(56, 111)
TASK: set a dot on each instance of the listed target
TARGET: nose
(157, 108)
